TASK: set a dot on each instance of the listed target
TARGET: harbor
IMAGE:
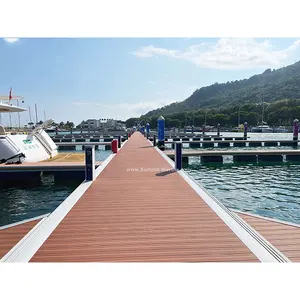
(107, 193)
(143, 224)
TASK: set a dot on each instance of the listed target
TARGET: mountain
(270, 86)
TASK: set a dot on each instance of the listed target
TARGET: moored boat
(262, 129)
(25, 147)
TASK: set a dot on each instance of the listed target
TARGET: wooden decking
(284, 237)
(12, 235)
(138, 211)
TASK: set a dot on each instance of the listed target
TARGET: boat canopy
(10, 108)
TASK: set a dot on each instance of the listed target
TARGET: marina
(144, 225)
(171, 216)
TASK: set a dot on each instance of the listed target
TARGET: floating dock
(283, 235)
(140, 209)
(71, 161)
(239, 155)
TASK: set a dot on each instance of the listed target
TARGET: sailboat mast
(44, 116)
(30, 115)
(18, 115)
(36, 114)
(262, 115)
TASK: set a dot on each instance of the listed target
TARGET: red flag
(10, 96)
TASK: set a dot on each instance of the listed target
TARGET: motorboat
(281, 129)
(33, 146)
(262, 129)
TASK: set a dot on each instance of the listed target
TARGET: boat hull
(34, 148)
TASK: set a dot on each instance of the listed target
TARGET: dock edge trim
(265, 218)
(26, 248)
(256, 243)
(23, 221)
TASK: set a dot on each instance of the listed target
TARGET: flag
(10, 96)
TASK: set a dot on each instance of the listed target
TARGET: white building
(103, 123)
(91, 123)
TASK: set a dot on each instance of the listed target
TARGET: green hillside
(279, 90)
(271, 86)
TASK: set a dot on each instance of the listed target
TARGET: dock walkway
(141, 210)
(136, 211)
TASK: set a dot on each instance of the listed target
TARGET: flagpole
(9, 98)
(10, 121)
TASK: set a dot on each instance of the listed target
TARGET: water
(264, 189)
(33, 199)
(269, 190)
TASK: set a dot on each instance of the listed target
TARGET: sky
(84, 78)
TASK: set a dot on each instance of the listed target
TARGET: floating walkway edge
(25, 249)
(260, 247)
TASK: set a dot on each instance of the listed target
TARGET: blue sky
(77, 79)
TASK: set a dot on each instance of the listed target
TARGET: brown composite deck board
(131, 216)
(285, 238)
(11, 236)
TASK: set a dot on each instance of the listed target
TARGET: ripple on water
(268, 190)
(32, 200)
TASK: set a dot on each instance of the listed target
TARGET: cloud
(11, 40)
(150, 51)
(227, 54)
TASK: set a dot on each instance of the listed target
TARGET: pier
(232, 142)
(139, 208)
(70, 164)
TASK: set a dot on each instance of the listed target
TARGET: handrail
(12, 143)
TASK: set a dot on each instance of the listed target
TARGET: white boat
(262, 128)
(280, 129)
(25, 147)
